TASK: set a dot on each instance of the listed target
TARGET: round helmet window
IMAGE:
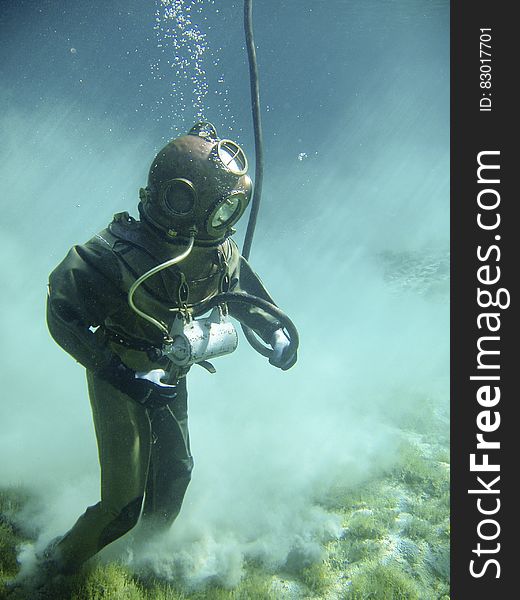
(226, 212)
(179, 196)
(232, 157)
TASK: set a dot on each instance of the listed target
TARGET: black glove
(145, 388)
(282, 356)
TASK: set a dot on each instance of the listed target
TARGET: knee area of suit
(129, 520)
(122, 522)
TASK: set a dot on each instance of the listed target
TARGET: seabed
(394, 543)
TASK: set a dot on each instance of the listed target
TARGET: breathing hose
(245, 298)
(257, 125)
(259, 170)
(153, 271)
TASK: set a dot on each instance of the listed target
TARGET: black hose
(259, 154)
(269, 308)
(257, 124)
(259, 176)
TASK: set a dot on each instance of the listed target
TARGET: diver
(113, 304)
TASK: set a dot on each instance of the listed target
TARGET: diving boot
(31, 582)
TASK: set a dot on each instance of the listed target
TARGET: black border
(473, 131)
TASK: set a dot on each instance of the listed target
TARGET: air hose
(169, 263)
(268, 307)
(257, 125)
(259, 172)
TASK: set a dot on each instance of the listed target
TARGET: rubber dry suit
(144, 452)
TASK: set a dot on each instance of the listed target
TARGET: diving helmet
(197, 183)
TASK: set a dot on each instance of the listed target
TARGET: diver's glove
(146, 388)
(160, 393)
(282, 356)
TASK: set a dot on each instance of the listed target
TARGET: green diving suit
(197, 189)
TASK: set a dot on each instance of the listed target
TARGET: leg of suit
(123, 434)
(171, 462)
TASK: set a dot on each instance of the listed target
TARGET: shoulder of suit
(102, 246)
(123, 227)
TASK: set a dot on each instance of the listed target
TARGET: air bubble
(181, 29)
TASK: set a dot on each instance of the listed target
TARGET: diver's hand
(282, 356)
(145, 388)
(160, 393)
(155, 376)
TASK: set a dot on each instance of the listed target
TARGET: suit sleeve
(83, 290)
(244, 279)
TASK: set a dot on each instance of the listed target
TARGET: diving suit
(197, 190)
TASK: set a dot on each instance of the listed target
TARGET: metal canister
(201, 339)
